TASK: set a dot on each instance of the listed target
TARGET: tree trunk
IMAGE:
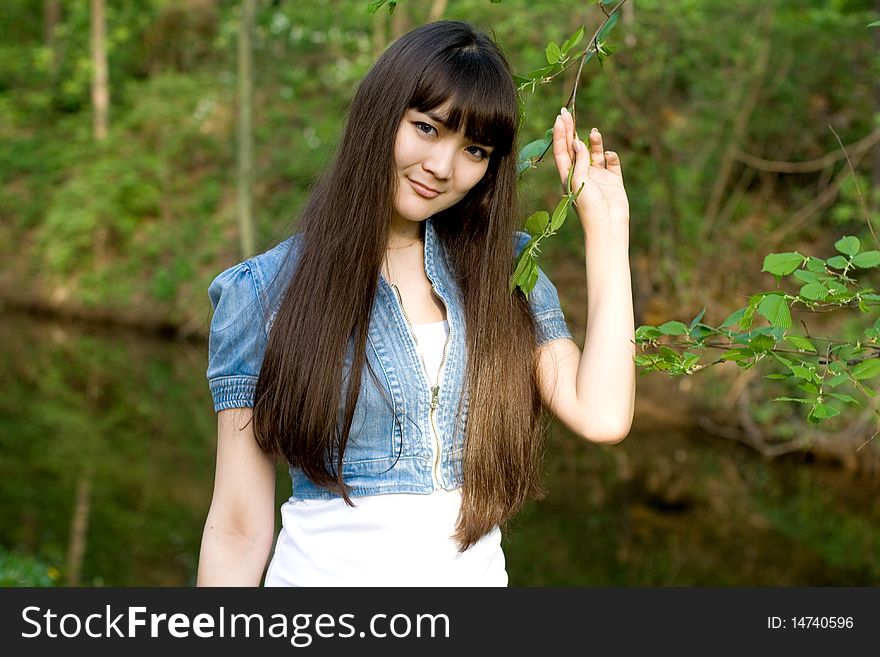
(628, 18)
(874, 199)
(400, 21)
(79, 526)
(380, 32)
(100, 84)
(245, 132)
(51, 18)
(437, 10)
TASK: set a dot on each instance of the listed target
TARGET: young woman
(379, 352)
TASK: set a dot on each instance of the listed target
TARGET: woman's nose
(440, 160)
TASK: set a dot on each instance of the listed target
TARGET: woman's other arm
(240, 527)
(594, 392)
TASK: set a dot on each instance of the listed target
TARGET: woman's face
(435, 167)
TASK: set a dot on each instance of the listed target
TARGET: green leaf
(748, 315)
(874, 24)
(519, 273)
(532, 276)
(802, 372)
(647, 333)
(537, 223)
(782, 264)
(801, 343)
(824, 411)
(609, 25)
(696, 320)
(554, 54)
(762, 343)
(867, 259)
(867, 369)
(836, 380)
(701, 331)
(742, 338)
(737, 354)
(777, 376)
(690, 360)
(573, 40)
(780, 358)
(539, 73)
(806, 276)
(847, 399)
(794, 399)
(775, 310)
(848, 245)
(560, 213)
(537, 147)
(809, 387)
(816, 265)
(838, 262)
(733, 318)
(673, 328)
(814, 292)
(533, 150)
(837, 367)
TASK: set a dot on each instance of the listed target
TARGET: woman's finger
(581, 164)
(597, 150)
(560, 150)
(613, 163)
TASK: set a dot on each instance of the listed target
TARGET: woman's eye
(479, 152)
(425, 128)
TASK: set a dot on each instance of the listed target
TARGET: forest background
(726, 115)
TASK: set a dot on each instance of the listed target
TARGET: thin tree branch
(808, 166)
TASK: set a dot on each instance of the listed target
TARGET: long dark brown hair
(345, 227)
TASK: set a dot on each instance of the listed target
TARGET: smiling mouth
(421, 190)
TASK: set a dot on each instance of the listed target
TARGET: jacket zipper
(435, 390)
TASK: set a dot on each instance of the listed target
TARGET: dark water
(114, 433)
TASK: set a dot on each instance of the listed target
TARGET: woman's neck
(403, 234)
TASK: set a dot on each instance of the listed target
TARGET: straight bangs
(482, 95)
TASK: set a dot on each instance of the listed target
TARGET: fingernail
(564, 111)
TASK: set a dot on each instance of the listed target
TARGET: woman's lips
(421, 190)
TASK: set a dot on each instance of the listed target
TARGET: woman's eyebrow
(436, 117)
(442, 121)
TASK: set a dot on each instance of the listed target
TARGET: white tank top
(396, 539)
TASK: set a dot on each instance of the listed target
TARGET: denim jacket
(407, 440)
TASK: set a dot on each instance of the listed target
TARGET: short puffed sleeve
(544, 301)
(238, 338)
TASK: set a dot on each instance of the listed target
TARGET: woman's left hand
(603, 197)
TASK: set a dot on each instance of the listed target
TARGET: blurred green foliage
(143, 220)
(25, 570)
(131, 414)
(146, 218)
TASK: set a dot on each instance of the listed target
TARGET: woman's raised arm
(240, 527)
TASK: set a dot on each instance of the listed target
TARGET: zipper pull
(435, 394)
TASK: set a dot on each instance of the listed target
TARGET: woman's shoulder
(520, 239)
(261, 270)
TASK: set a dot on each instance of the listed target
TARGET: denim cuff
(551, 326)
(233, 391)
